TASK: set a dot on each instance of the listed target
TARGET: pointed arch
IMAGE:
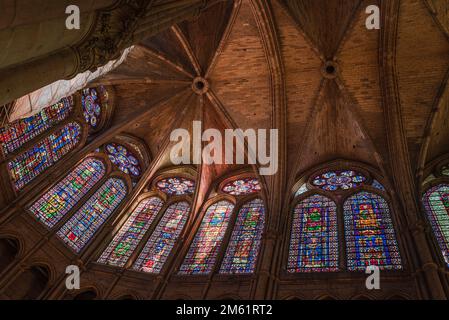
(82, 226)
(369, 233)
(52, 206)
(9, 250)
(29, 285)
(436, 204)
(244, 245)
(159, 246)
(131, 233)
(314, 236)
(203, 251)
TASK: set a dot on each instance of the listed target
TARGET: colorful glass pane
(369, 232)
(43, 155)
(93, 101)
(131, 233)
(123, 159)
(242, 187)
(314, 236)
(205, 246)
(158, 248)
(176, 186)
(16, 134)
(339, 180)
(376, 184)
(54, 204)
(81, 227)
(243, 249)
(436, 203)
(302, 189)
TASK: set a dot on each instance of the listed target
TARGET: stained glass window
(43, 155)
(123, 159)
(158, 248)
(339, 180)
(176, 186)
(16, 134)
(243, 249)
(54, 204)
(436, 202)
(302, 189)
(81, 227)
(314, 236)
(205, 246)
(93, 101)
(132, 232)
(376, 184)
(369, 233)
(242, 187)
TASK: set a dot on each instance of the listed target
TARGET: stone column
(34, 59)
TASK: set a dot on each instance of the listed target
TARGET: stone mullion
(224, 245)
(266, 275)
(134, 255)
(400, 164)
(180, 250)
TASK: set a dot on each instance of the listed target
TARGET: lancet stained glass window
(314, 236)
(243, 248)
(203, 251)
(54, 204)
(16, 134)
(93, 100)
(176, 186)
(158, 248)
(131, 233)
(123, 159)
(242, 187)
(77, 232)
(436, 203)
(339, 180)
(369, 233)
(43, 155)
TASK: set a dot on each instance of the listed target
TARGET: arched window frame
(218, 195)
(108, 172)
(149, 191)
(434, 168)
(178, 244)
(97, 156)
(92, 243)
(195, 228)
(121, 221)
(340, 197)
(20, 250)
(296, 201)
(393, 217)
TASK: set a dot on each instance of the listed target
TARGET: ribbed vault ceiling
(324, 116)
